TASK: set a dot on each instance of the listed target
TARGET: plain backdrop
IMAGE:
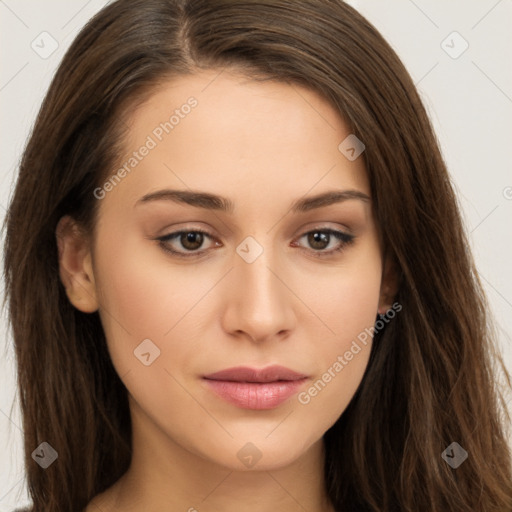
(459, 54)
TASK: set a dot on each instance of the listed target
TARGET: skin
(263, 146)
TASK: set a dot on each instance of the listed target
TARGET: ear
(75, 265)
(388, 287)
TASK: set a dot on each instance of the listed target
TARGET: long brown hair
(431, 378)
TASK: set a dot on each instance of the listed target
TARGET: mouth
(251, 388)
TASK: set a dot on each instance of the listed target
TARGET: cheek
(139, 299)
(346, 298)
(144, 297)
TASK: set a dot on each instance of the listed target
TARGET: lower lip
(253, 395)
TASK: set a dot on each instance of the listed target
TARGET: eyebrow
(218, 203)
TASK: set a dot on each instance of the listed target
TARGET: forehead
(230, 135)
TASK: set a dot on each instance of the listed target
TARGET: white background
(469, 99)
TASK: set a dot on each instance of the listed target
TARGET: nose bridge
(256, 270)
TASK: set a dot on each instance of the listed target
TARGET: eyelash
(344, 238)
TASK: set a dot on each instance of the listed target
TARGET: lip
(252, 388)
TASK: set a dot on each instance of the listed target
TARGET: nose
(260, 303)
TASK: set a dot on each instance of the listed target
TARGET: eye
(320, 239)
(190, 240)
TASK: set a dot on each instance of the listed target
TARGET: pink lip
(250, 388)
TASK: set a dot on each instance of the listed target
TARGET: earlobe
(75, 265)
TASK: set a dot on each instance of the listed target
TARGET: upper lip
(247, 374)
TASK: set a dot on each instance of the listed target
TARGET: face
(265, 274)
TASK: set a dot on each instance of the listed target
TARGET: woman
(237, 275)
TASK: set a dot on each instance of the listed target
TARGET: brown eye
(191, 240)
(186, 243)
(320, 239)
